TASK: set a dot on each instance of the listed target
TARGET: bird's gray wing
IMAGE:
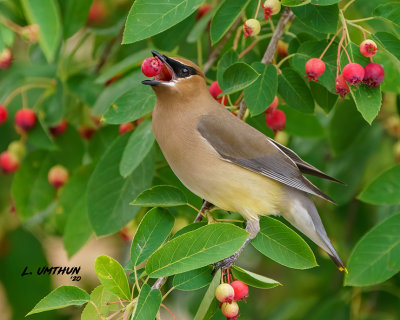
(304, 167)
(237, 142)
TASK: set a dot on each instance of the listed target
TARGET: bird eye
(185, 71)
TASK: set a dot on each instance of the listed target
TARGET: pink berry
(270, 8)
(353, 73)
(5, 58)
(368, 48)
(8, 162)
(314, 69)
(59, 129)
(230, 310)
(251, 28)
(373, 75)
(58, 176)
(25, 119)
(125, 127)
(224, 293)
(341, 86)
(272, 106)
(215, 91)
(276, 120)
(3, 114)
(241, 289)
(151, 66)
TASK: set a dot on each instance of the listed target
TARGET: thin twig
(329, 44)
(107, 51)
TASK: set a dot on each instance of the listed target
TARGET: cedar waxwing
(227, 162)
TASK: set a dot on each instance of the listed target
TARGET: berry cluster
(228, 294)
(252, 27)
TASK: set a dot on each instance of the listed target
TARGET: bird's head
(178, 78)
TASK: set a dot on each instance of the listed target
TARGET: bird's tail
(303, 215)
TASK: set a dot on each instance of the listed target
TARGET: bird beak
(167, 73)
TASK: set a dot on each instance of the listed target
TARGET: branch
(107, 51)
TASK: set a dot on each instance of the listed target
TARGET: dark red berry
(341, 86)
(25, 119)
(241, 289)
(215, 91)
(125, 127)
(151, 66)
(314, 69)
(3, 114)
(373, 75)
(353, 73)
(202, 10)
(59, 129)
(58, 176)
(368, 48)
(276, 120)
(272, 106)
(5, 58)
(86, 132)
(8, 162)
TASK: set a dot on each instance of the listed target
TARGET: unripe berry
(241, 289)
(276, 120)
(314, 69)
(392, 125)
(368, 48)
(5, 58)
(25, 119)
(3, 114)
(251, 28)
(59, 129)
(17, 149)
(270, 8)
(224, 293)
(58, 176)
(215, 91)
(30, 33)
(8, 162)
(272, 106)
(373, 75)
(353, 73)
(202, 10)
(125, 127)
(151, 66)
(230, 310)
(282, 48)
(341, 86)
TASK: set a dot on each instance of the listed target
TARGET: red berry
(86, 132)
(341, 86)
(5, 58)
(98, 12)
(59, 129)
(125, 127)
(270, 8)
(251, 28)
(373, 75)
(314, 69)
(368, 48)
(151, 66)
(272, 106)
(8, 162)
(58, 176)
(202, 10)
(230, 310)
(241, 289)
(276, 120)
(224, 293)
(353, 73)
(3, 114)
(25, 119)
(215, 91)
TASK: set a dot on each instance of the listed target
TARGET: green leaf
(209, 305)
(109, 194)
(324, 2)
(160, 196)
(61, 297)
(151, 19)
(75, 15)
(40, 138)
(196, 249)
(323, 97)
(99, 296)
(253, 279)
(261, 93)
(390, 13)
(295, 3)
(139, 145)
(150, 235)
(149, 303)
(193, 280)
(229, 58)
(320, 18)
(112, 276)
(368, 101)
(389, 43)
(45, 13)
(376, 257)
(384, 190)
(294, 90)
(237, 77)
(224, 18)
(189, 227)
(40, 193)
(281, 244)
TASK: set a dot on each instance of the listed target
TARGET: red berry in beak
(151, 66)
(25, 119)
(314, 69)
(341, 86)
(368, 48)
(373, 75)
(353, 73)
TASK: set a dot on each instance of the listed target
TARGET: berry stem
(248, 48)
(363, 30)
(348, 5)
(338, 54)
(345, 50)
(168, 310)
(27, 87)
(343, 20)
(167, 293)
(361, 20)
(329, 44)
(284, 59)
(258, 9)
